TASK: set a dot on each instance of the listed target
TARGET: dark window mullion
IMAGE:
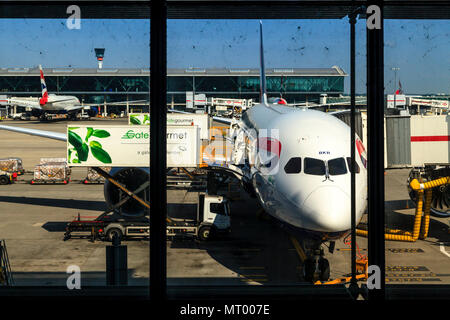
(375, 163)
(158, 179)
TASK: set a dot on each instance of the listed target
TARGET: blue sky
(419, 48)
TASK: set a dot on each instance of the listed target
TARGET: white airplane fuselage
(317, 202)
(60, 103)
(54, 103)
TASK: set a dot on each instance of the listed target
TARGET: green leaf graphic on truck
(136, 119)
(80, 150)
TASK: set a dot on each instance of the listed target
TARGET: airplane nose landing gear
(314, 270)
(316, 267)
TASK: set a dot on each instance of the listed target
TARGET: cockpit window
(314, 166)
(349, 162)
(337, 167)
(294, 165)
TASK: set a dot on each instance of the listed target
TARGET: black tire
(114, 232)
(204, 233)
(309, 268)
(4, 180)
(324, 267)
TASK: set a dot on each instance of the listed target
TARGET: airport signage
(200, 100)
(129, 146)
(432, 103)
(176, 119)
(397, 100)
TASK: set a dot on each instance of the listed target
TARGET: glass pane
(252, 154)
(417, 215)
(80, 97)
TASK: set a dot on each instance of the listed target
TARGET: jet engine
(440, 201)
(92, 112)
(36, 113)
(132, 179)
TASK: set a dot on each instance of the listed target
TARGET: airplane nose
(329, 209)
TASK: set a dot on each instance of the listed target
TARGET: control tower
(99, 53)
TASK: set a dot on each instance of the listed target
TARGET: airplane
(50, 103)
(295, 161)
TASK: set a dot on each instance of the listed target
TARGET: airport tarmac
(257, 252)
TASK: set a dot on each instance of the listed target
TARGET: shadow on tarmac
(60, 203)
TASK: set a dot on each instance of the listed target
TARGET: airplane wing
(60, 100)
(118, 103)
(223, 120)
(72, 108)
(316, 105)
(218, 119)
(178, 111)
(334, 113)
(35, 132)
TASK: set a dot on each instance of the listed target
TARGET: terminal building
(94, 85)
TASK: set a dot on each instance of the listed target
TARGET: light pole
(395, 69)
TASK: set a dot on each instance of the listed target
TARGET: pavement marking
(252, 268)
(442, 246)
(407, 268)
(405, 250)
(418, 279)
(411, 275)
(253, 278)
(254, 281)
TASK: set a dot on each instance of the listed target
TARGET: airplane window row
(318, 167)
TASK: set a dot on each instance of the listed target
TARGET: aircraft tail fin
(262, 75)
(44, 97)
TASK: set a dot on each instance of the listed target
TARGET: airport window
(71, 89)
(416, 130)
(298, 84)
(337, 167)
(355, 164)
(294, 165)
(210, 48)
(314, 167)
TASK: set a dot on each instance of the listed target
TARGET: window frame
(375, 93)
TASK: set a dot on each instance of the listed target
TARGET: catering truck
(212, 218)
